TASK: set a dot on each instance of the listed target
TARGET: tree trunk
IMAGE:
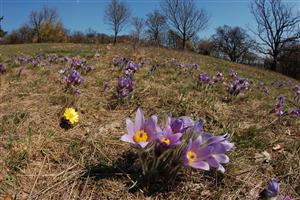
(115, 39)
(183, 43)
(274, 63)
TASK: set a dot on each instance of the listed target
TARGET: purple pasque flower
(77, 63)
(296, 89)
(24, 59)
(35, 62)
(195, 155)
(240, 84)
(141, 132)
(131, 68)
(119, 61)
(180, 124)
(278, 107)
(53, 58)
(74, 78)
(167, 138)
(194, 66)
(125, 86)
(219, 77)
(295, 112)
(233, 74)
(204, 78)
(243, 83)
(3, 68)
(219, 146)
(272, 189)
(64, 59)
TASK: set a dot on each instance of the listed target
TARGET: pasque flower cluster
(182, 142)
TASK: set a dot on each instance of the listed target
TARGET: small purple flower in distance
(35, 62)
(125, 86)
(204, 78)
(296, 89)
(295, 112)
(240, 84)
(219, 77)
(194, 66)
(77, 63)
(53, 58)
(24, 59)
(131, 68)
(74, 78)
(120, 61)
(278, 107)
(273, 188)
(233, 74)
(3, 68)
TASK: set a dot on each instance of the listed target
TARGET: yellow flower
(71, 115)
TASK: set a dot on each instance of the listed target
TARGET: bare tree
(2, 32)
(138, 28)
(185, 18)
(232, 42)
(156, 23)
(117, 14)
(38, 18)
(277, 25)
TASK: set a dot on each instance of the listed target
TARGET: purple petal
(221, 169)
(221, 158)
(150, 128)
(139, 119)
(200, 165)
(213, 162)
(127, 138)
(198, 128)
(143, 144)
(130, 127)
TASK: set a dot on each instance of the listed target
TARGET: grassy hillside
(41, 160)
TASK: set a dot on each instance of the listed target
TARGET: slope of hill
(41, 160)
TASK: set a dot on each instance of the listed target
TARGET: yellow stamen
(141, 136)
(191, 156)
(165, 140)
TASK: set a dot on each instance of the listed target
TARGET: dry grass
(39, 160)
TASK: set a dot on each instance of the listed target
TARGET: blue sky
(84, 14)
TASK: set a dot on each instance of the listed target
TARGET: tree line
(176, 25)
